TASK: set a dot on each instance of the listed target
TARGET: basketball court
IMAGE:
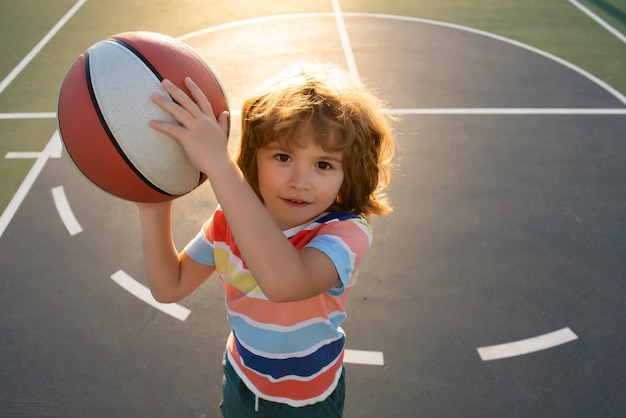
(495, 288)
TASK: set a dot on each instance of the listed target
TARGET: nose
(300, 177)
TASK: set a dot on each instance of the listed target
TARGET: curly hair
(341, 114)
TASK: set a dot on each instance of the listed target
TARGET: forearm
(160, 256)
(273, 261)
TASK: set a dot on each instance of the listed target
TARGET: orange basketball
(104, 108)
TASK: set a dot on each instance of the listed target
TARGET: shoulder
(342, 227)
(345, 223)
(216, 227)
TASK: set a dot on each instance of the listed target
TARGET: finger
(224, 121)
(166, 103)
(174, 130)
(198, 96)
(180, 97)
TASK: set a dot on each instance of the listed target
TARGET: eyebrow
(325, 155)
(332, 158)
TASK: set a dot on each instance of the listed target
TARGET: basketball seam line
(108, 130)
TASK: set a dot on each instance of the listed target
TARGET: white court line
(345, 40)
(509, 111)
(143, 293)
(27, 183)
(22, 155)
(370, 358)
(56, 150)
(529, 345)
(430, 111)
(32, 115)
(605, 86)
(28, 58)
(602, 23)
(65, 211)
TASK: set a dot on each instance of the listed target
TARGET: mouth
(295, 202)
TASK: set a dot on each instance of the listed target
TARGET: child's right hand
(203, 136)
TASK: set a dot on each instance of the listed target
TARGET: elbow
(280, 299)
(163, 297)
(282, 296)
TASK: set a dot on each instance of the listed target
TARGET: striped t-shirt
(286, 352)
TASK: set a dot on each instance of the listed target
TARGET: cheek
(333, 186)
(266, 179)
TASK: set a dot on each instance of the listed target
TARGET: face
(300, 183)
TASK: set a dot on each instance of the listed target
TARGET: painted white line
(65, 211)
(22, 155)
(509, 111)
(35, 115)
(409, 111)
(345, 40)
(602, 23)
(370, 358)
(27, 183)
(618, 95)
(529, 345)
(605, 86)
(143, 293)
(28, 58)
(56, 149)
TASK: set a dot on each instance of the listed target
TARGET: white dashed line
(30, 178)
(143, 293)
(369, 358)
(65, 211)
(529, 345)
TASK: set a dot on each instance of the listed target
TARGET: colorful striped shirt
(286, 352)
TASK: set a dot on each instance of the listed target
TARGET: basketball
(104, 107)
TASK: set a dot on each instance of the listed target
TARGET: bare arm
(171, 275)
(283, 273)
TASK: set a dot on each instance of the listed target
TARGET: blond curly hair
(340, 113)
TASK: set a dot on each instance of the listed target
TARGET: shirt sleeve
(201, 248)
(346, 243)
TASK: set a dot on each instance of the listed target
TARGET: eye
(284, 158)
(323, 165)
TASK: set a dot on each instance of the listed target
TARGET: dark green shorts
(240, 402)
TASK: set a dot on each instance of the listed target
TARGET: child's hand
(202, 135)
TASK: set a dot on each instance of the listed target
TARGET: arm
(283, 273)
(171, 276)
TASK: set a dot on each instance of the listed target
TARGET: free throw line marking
(370, 358)
(529, 345)
(143, 293)
(65, 211)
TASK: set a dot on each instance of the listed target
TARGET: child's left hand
(203, 137)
